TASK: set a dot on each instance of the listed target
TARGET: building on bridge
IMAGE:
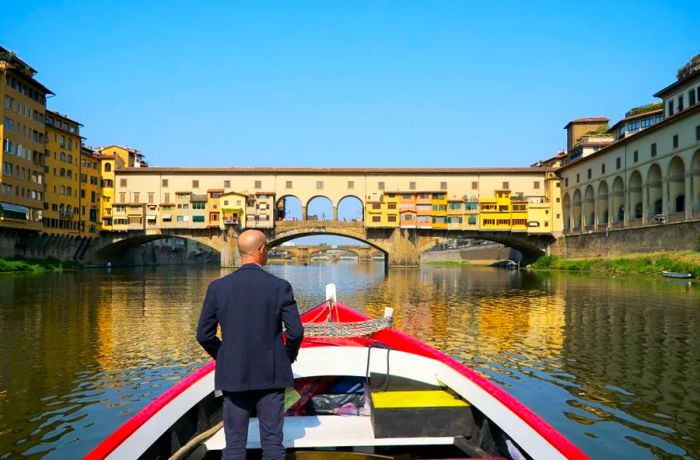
(517, 199)
(650, 175)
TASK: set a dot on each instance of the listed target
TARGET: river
(613, 363)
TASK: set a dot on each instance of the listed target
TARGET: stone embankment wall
(480, 254)
(681, 236)
(35, 245)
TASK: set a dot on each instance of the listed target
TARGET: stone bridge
(400, 246)
(306, 252)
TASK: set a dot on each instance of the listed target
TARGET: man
(253, 365)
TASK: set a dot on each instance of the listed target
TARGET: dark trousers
(269, 405)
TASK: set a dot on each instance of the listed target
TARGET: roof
(637, 116)
(339, 171)
(588, 120)
(18, 64)
(637, 135)
(688, 72)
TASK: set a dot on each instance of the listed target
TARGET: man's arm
(292, 323)
(206, 330)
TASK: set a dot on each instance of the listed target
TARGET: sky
(347, 83)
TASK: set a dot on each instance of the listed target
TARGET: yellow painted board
(412, 399)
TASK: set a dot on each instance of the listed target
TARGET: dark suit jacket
(251, 305)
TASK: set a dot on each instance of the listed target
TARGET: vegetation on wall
(652, 264)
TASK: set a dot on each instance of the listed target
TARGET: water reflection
(614, 364)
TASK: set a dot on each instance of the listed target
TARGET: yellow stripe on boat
(412, 399)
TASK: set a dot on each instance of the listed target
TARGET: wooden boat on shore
(670, 274)
(363, 391)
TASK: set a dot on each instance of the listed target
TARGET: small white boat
(670, 274)
(365, 391)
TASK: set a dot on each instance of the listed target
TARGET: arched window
(69, 191)
(63, 190)
(108, 167)
(62, 172)
(69, 158)
(69, 173)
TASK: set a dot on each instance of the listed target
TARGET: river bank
(643, 264)
(18, 264)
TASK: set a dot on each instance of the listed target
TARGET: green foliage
(645, 108)
(50, 264)
(647, 265)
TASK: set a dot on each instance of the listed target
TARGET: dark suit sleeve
(292, 323)
(208, 321)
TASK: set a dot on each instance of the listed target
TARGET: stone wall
(678, 236)
(479, 255)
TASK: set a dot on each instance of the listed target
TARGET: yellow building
(495, 212)
(233, 208)
(382, 210)
(22, 135)
(113, 158)
(63, 155)
(90, 192)
(439, 210)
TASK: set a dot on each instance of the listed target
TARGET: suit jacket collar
(250, 266)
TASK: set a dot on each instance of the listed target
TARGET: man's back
(251, 305)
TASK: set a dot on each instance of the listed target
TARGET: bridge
(334, 252)
(400, 246)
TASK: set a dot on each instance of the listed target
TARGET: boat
(670, 274)
(363, 390)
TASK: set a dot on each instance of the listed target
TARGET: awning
(13, 208)
(152, 217)
(166, 216)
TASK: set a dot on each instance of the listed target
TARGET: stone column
(229, 251)
(304, 216)
(665, 200)
(611, 212)
(688, 195)
(645, 203)
(335, 213)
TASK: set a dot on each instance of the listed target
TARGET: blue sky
(373, 83)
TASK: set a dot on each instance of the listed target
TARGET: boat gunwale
(387, 336)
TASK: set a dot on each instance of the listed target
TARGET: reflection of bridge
(334, 252)
(400, 246)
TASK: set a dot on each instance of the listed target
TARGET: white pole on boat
(331, 298)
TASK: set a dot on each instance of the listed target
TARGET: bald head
(251, 246)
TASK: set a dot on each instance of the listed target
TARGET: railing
(292, 224)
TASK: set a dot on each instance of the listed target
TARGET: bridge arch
(347, 201)
(577, 208)
(618, 200)
(288, 207)
(353, 232)
(566, 211)
(589, 206)
(635, 193)
(319, 207)
(115, 247)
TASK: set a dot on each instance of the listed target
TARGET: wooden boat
(670, 274)
(401, 399)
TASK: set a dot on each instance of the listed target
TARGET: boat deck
(327, 431)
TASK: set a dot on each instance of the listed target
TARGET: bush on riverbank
(50, 264)
(646, 265)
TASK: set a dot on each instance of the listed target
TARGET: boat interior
(352, 417)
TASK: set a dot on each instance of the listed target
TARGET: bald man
(253, 363)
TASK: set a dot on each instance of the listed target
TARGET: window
(376, 218)
(475, 185)
(411, 185)
(653, 149)
(288, 184)
(108, 166)
(566, 182)
(670, 108)
(691, 97)
(137, 196)
(602, 168)
(392, 218)
(618, 162)
(536, 184)
(197, 218)
(122, 197)
(258, 184)
(150, 197)
(697, 133)
(635, 156)
(443, 185)
(380, 185)
(351, 184)
(122, 182)
(675, 141)
(195, 184)
(578, 178)
(376, 206)
(506, 185)
(589, 173)
(391, 205)
(319, 185)
(166, 198)
(680, 102)
(164, 182)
